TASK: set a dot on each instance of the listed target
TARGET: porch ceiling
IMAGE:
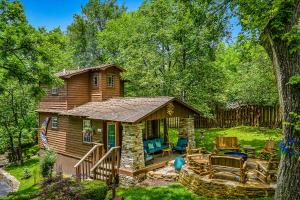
(126, 109)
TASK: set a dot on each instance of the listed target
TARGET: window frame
(54, 91)
(84, 132)
(95, 75)
(112, 76)
(54, 123)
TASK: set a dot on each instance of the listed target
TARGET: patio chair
(181, 144)
(148, 157)
(268, 150)
(267, 170)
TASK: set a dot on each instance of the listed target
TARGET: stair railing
(83, 167)
(107, 168)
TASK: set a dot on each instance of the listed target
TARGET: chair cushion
(158, 144)
(150, 146)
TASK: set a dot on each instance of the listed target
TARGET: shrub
(26, 173)
(47, 163)
(93, 190)
(32, 151)
(60, 188)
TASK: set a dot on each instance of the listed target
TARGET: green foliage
(249, 75)
(93, 190)
(294, 80)
(167, 48)
(47, 163)
(26, 173)
(83, 31)
(28, 188)
(32, 151)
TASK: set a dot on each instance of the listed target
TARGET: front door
(111, 135)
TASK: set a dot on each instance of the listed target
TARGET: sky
(53, 13)
(59, 13)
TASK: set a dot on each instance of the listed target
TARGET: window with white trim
(54, 91)
(54, 122)
(87, 131)
(110, 80)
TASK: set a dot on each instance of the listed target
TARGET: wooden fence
(260, 116)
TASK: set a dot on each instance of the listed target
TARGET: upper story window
(110, 80)
(95, 79)
(54, 91)
(54, 122)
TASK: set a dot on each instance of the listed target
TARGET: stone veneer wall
(132, 152)
(10, 180)
(187, 129)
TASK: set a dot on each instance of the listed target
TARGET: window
(110, 80)
(87, 131)
(54, 122)
(95, 80)
(54, 91)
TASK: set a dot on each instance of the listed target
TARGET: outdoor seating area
(232, 166)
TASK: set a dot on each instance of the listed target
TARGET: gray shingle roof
(126, 109)
(71, 72)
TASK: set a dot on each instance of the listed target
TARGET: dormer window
(95, 80)
(110, 80)
(54, 91)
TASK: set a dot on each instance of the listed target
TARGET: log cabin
(98, 133)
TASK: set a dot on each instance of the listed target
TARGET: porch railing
(107, 168)
(83, 167)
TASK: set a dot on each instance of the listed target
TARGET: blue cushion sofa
(154, 145)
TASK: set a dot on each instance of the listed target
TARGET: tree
(166, 51)
(249, 75)
(27, 60)
(276, 25)
(83, 31)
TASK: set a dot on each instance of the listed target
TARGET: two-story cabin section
(90, 119)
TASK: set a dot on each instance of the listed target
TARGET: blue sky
(54, 13)
(59, 13)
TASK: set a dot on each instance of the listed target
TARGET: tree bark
(286, 65)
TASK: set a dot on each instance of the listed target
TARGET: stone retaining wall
(10, 180)
(217, 188)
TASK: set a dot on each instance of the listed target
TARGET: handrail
(88, 153)
(104, 157)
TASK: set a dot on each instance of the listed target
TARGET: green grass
(169, 192)
(27, 187)
(251, 136)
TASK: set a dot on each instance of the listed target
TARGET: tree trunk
(166, 137)
(286, 65)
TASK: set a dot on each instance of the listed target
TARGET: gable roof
(126, 109)
(72, 72)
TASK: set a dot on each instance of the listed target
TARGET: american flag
(43, 133)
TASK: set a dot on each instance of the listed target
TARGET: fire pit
(238, 154)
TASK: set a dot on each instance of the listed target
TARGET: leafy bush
(67, 188)
(32, 151)
(26, 173)
(60, 188)
(94, 190)
(47, 163)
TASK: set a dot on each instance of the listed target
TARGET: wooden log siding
(78, 90)
(58, 101)
(109, 92)
(262, 116)
(67, 138)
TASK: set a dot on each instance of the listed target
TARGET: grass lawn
(251, 136)
(27, 186)
(170, 192)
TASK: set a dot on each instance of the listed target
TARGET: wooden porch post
(166, 127)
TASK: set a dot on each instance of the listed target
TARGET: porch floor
(158, 158)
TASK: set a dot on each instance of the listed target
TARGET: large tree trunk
(286, 65)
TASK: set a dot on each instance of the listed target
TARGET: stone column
(132, 152)
(186, 129)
